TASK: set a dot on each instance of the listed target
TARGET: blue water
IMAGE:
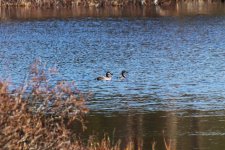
(174, 63)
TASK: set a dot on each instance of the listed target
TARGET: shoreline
(100, 3)
(82, 3)
(176, 8)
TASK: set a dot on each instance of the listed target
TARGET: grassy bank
(97, 3)
(75, 3)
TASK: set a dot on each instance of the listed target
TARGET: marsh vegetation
(84, 3)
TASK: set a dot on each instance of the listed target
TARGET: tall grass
(74, 3)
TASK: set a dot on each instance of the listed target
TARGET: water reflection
(172, 9)
(186, 129)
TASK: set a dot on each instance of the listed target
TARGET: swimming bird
(123, 75)
(107, 77)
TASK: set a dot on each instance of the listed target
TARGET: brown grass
(37, 114)
(75, 3)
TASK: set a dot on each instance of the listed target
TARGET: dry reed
(37, 115)
(75, 3)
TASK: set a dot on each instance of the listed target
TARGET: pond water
(175, 64)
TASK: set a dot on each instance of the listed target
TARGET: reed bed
(75, 3)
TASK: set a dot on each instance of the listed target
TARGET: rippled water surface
(175, 64)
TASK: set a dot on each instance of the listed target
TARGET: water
(176, 71)
(188, 129)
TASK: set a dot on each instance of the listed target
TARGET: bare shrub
(37, 114)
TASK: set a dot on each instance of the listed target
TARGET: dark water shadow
(188, 129)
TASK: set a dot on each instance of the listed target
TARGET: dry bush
(37, 115)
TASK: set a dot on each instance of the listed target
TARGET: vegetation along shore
(83, 3)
